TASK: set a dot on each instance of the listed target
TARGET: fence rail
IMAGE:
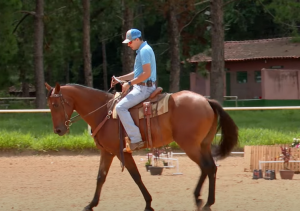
(225, 108)
(24, 110)
(17, 98)
(261, 108)
(230, 97)
(5, 102)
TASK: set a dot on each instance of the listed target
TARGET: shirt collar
(141, 46)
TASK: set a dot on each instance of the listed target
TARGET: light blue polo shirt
(145, 55)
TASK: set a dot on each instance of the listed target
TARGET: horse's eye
(55, 105)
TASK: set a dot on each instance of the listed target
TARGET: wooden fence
(254, 154)
(5, 102)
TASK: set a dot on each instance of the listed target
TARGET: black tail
(229, 131)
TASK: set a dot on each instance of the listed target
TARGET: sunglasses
(130, 42)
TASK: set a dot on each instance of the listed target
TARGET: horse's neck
(90, 104)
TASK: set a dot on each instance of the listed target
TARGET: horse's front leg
(105, 163)
(133, 171)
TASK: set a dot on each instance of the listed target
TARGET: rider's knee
(119, 108)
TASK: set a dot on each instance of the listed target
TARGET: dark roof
(255, 49)
(19, 88)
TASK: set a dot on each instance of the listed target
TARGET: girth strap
(148, 112)
(122, 159)
(106, 118)
(100, 125)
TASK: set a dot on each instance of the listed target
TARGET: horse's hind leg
(201, 154)
(208, 168)
(105, 163)
(133, 171)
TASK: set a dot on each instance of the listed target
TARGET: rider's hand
(125, 87)
(113, 81)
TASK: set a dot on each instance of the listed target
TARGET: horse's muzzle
(60, 131)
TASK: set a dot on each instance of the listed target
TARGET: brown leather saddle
(147, 105)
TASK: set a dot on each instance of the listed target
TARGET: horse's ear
(48, 87)
(57, 88)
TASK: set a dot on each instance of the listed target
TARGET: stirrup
(127, 145)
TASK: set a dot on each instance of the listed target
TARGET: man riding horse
(141, 79)
(191, 121)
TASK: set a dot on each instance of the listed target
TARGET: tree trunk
(25, 86)
(25, 89)
(104, 65)
(127, 53)
(38, 55)
(217, 42)
(23, 73)
(88, 77)
(174, 49)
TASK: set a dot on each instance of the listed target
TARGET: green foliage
(3, 93)
(8, 44)
(174, 145)
(148, 162)
(62, 42)
(8, 41)
(296, 39)
(286, 12)
(14, 140)
(105, 26)
(244, 19)
(248, 19)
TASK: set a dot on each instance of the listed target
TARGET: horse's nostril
(57, 131)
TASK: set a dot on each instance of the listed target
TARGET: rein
(76, 118)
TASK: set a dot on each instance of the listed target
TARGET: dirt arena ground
(67, 183)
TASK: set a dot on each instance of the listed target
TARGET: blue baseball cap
(132, 34)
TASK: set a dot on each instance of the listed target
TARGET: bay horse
(192, 121)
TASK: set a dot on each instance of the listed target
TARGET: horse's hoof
(206, 208)
(149, 209)
(199, 204)
(87, 209)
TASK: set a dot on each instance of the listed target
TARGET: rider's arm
(126, 77)
(144, 76)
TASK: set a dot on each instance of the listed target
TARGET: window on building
(276, 67)
(242, 77)
(257, 76)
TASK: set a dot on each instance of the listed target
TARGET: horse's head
(61, 109)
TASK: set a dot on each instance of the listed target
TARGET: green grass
(267, 127)
(20, 141)
(37, 124)
(35, 131)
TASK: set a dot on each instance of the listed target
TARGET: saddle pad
(162, 107)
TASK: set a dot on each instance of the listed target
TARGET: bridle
(70, 121)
